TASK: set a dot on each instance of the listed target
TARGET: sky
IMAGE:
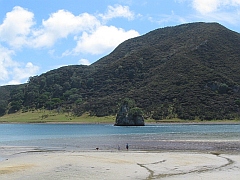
(40, 35)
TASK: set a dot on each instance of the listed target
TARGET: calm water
(77, 136)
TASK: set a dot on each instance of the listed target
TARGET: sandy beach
(26, 163)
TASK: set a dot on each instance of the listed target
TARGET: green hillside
(190, 71)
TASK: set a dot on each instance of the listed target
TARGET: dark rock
(124, 119)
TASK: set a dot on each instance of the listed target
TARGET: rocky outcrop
(125, 119)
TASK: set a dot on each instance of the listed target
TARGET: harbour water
(109, 137)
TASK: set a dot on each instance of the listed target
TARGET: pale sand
(30, 164)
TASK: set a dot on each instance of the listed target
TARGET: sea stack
(124, 118)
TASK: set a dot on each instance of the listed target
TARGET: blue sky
(40, 35)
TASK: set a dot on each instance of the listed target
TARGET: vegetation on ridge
(189, 71)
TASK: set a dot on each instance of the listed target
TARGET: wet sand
(28, 163)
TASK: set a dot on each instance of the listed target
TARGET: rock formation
(125, 119)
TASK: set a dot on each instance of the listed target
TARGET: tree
(136, 111)
(74, 97)
(68, 93)
(3, 108)
(75, 82)
(15, 106)
(56, 102)
(129, 102)
(57, 90)
(90, 82)
(43, 98)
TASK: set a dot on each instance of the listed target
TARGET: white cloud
(16, 27)
(103, 40)
(5, 62)
(206, 6)
(168, 18)
(117, 11)
(221, 17)
(84, 62)
(22, 73)
(15, 32)
(222, 11)
(13, 72)
(60, 25)
(210, 6)
(89, 32)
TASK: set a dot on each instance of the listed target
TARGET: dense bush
(189, 71)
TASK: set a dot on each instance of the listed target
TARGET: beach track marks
(199, 169)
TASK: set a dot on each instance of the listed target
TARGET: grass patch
(45, 116)
(53, 117)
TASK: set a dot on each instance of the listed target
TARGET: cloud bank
(226, 11)
(210, 6)
(90, 33)
(222, 11)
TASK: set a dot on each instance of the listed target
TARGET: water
(78, 136)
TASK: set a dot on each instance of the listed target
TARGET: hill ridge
(189, 71)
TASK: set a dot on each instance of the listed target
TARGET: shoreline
(30, 163)
(53, 117)
(146, 124)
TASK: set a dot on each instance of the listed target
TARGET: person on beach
(127, 146)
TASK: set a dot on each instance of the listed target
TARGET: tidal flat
(98, 151)
(29, 163)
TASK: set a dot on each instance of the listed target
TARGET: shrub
(135, 112)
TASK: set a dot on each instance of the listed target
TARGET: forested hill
(190, 71)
